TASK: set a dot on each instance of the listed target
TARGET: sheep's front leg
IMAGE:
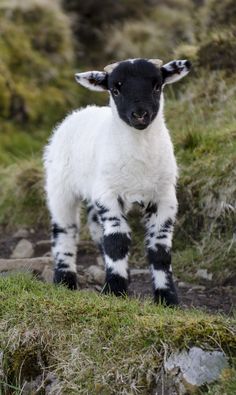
(115, 245)
(159, 221)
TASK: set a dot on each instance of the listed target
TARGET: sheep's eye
(156, 88)
(116, 91)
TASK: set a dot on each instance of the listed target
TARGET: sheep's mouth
(140, 126)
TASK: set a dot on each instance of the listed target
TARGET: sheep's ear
(175, 70)
(94, 80)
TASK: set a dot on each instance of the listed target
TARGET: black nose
(140, 116)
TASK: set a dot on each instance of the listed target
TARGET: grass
(96, 344)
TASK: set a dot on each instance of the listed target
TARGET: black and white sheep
(112, 157)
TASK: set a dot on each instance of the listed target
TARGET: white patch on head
(119, 267)
(159, 278)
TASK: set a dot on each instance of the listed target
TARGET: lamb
(112, 157)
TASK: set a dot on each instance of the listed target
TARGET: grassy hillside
(94, 344)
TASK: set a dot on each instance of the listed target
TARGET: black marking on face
(67, 278)
(139, 84)
(116, 245)
(115, 284)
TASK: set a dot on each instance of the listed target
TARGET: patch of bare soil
(202, 294)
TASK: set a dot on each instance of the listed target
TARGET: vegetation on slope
(97, 344)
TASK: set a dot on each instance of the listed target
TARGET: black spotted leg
(115, 244)
(159, 223)
(64, 252)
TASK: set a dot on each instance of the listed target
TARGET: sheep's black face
(136, 88)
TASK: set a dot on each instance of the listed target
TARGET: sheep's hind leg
(159, 222)
(115, 246)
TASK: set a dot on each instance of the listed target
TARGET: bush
(156, 36)
(219, 52)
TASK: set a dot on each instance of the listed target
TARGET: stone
(138, 272)
(196, 366)
(100, 261)
(182, 284)
(43, 243)
(23, 249)
(47, 274)
(98, 288)
(96, 274)
(81, 279)
(48, 254)
(21, 234)
(198, 288)
(203, 273)
(31, 264)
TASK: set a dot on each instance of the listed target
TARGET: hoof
(115, 285)
(167, 296)
(69, 279)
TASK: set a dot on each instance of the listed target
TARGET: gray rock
(197, 367)
(46, 243)
(96, 274)
(21, 233)
(138, 272)
(47, 274)
(48, 254)
(23, 249)
(203, 273)
(100, 261)
(82, 280)
(98, 288)
(31, 264)
(198, 288)
(182, 284)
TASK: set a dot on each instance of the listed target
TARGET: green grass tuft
(96, 343)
